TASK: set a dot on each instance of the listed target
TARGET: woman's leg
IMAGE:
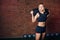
(38, 35)
(43, 35)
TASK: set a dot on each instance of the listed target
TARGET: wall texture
(15, 19)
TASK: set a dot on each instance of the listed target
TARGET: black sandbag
(35, 11)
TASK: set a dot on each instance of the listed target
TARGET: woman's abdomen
(41, 24)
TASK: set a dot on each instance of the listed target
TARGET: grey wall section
(15, 17)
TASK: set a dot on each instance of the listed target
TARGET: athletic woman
(40, 14)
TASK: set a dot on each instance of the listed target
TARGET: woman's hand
(31, 12)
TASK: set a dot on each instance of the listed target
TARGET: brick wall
(15, 19)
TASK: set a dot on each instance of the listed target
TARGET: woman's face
(41, 7)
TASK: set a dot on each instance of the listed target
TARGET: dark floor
(47, 38)
(32, 37)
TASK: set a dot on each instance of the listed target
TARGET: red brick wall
(15, 19)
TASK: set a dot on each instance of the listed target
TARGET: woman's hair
(41, 3)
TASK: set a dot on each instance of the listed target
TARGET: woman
(41, 15)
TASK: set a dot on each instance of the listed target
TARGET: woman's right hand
(31, 12)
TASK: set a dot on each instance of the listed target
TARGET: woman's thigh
(38, 35)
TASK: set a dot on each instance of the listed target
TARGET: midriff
(41, 24)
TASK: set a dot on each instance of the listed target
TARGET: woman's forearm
(33, 18)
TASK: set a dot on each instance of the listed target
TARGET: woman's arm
(34, 17)
(48, 15)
